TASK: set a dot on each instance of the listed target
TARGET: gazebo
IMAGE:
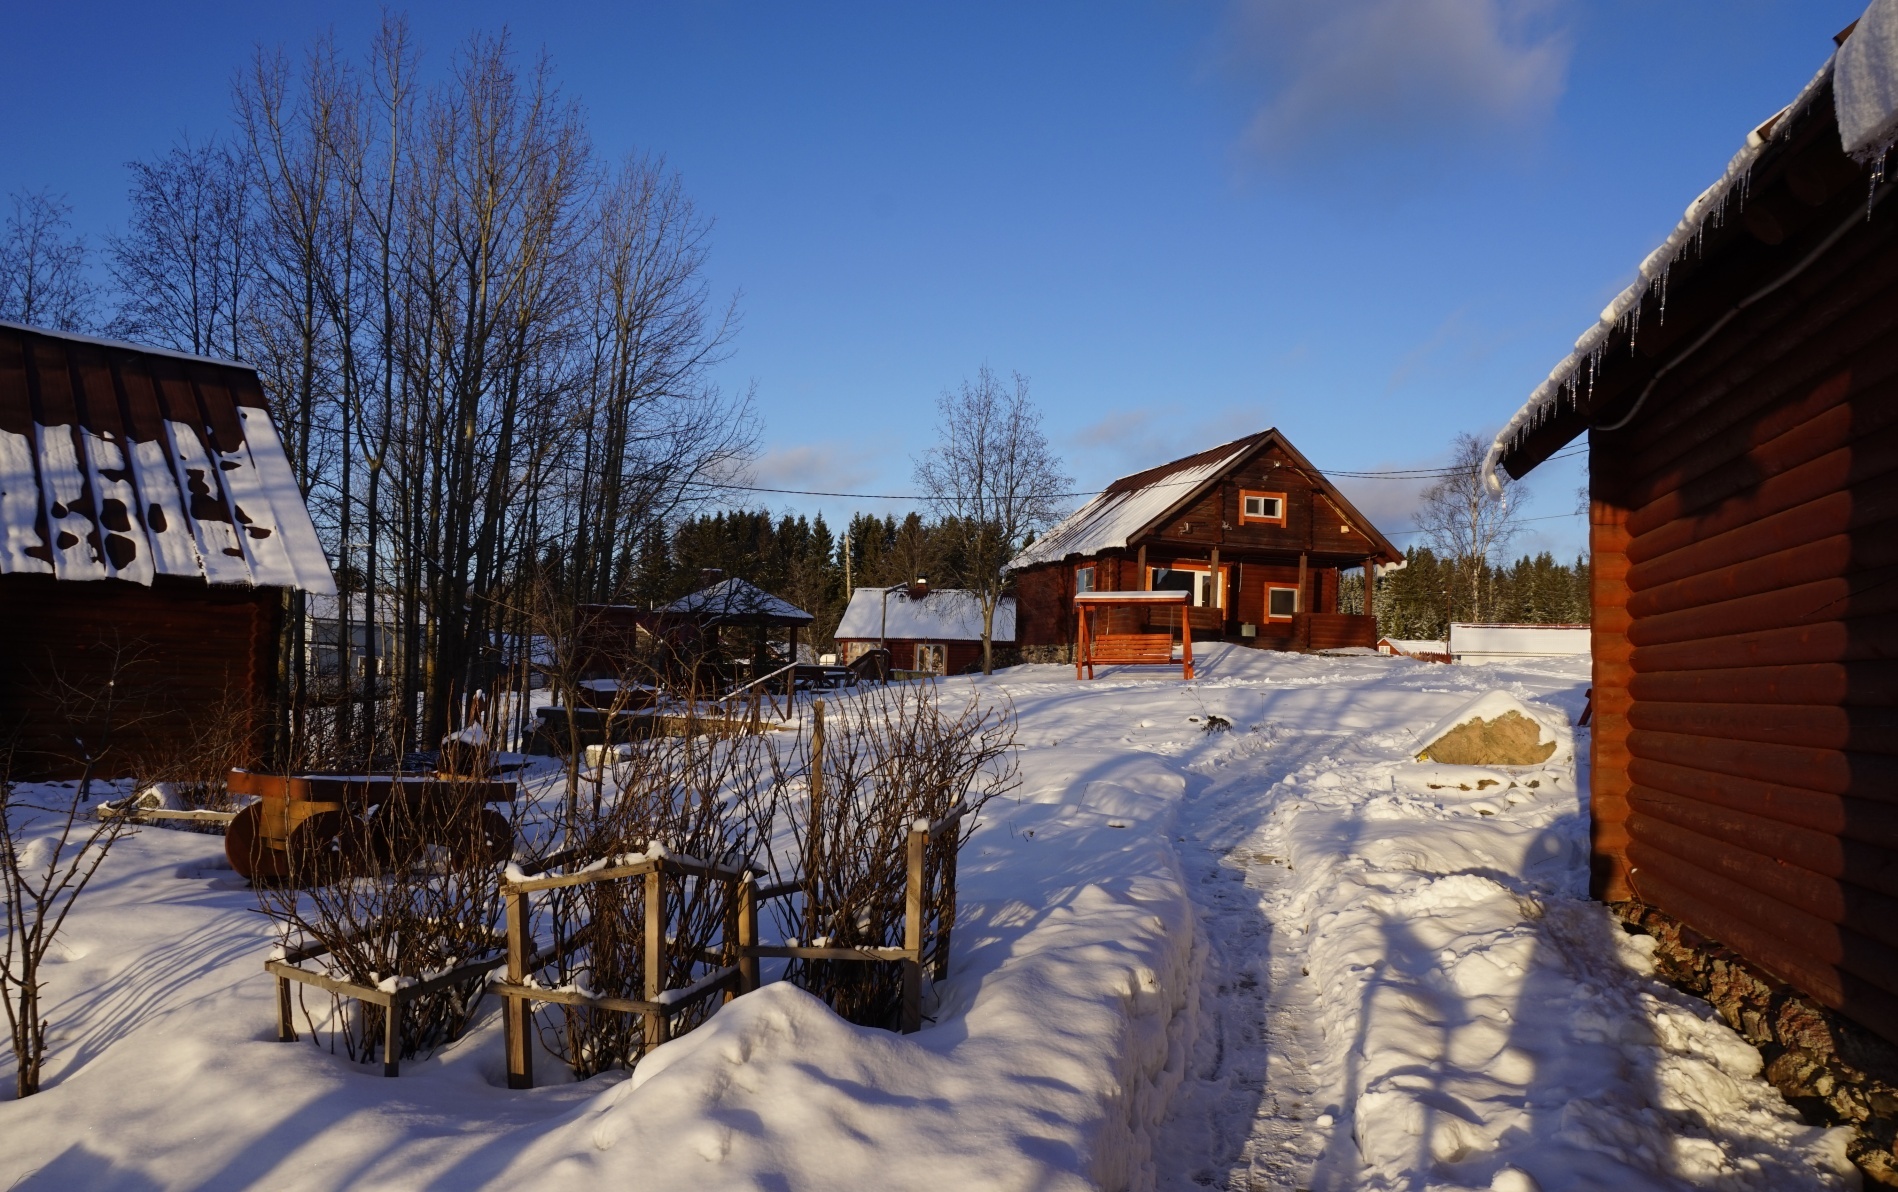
(1129, 648)
(736, 603)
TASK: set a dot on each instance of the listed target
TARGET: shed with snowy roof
(1741, 405)
(150, 526)
(1253, 534)
(938, 630)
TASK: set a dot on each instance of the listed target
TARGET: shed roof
(122, 462)
(944, 615)
(1132, 504)
(739, 602)
(1856, 94)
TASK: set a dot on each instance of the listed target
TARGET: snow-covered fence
(660, 1005)
(733, 960)
(392, 995)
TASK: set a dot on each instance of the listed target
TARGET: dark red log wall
(1745, 543)
(192, 667)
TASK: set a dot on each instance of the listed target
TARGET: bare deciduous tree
(43, 266)
(182, 267)
(993, 480)
(1466, 521)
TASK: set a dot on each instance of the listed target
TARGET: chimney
(919, 587)
(710, 575)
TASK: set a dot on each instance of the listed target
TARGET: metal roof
(944, 615)
(1130, 505)
(739, 602)
(118, 462)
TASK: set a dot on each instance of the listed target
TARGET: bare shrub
(50, 850)
(411, 890)
(891, 758)
(704, 795)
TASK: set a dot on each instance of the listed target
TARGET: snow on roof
(1415, 645)
(119, 462)
(1130, 504)
(944, 615)
(735, 600)
(1574, 372)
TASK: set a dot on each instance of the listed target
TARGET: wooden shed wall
(1745, 535)
(194, 664)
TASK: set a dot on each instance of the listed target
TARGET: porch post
(1219, 595)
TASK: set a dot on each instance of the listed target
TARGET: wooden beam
(1219, 590)
(1146, 580)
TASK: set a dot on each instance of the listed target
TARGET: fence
(736, 956)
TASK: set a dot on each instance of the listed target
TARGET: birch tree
(1467, 523)
(992, 479)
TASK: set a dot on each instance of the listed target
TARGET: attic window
(1259, 508)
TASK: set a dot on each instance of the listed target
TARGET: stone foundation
(1833, 1071)
(1044, 654)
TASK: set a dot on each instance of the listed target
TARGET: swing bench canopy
(1092, 646)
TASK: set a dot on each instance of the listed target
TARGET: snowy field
(1275, 955)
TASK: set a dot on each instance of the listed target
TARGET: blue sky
(1371, 223)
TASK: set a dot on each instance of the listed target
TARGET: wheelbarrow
(314, 828)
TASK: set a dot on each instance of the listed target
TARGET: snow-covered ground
(1274, 955)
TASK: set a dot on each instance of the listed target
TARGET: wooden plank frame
(289, 969)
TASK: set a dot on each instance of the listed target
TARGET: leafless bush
(706, 795)
(50, 849)
(409, 891)
(891, 758)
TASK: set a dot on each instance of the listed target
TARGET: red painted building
(149, 528)
(1743, 491)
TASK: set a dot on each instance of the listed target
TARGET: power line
(1395, 474)
(1544, 517)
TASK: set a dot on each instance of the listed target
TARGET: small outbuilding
(1256, 537)
(1475, 643)
(1740, 403)
(934, 630)
(150, 526)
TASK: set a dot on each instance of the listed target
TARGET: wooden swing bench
(1128, 649)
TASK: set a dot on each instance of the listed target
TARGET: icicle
(1878, 177)
(1665, 270)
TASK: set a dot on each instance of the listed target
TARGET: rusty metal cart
(318, 827)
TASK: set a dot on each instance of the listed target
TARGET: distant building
(1419, 648)
(1498, 643)
(938, 630)
(149, 528)
(1254, 534)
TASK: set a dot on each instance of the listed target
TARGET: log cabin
(150, 526)
(1743, 490)
(1254, 534)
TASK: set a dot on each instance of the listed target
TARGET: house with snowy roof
(1740, 402)
(150, 526)
(937, 630)
(1254, 535)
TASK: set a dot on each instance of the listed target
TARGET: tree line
(1422, 598)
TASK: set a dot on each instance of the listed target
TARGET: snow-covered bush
(890, 759)
(706, 795)
(422, 909)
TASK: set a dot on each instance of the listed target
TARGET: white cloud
(809, 467)
(1360, 76)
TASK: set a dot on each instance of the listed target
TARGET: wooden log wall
(1745, 544)
(195, 667)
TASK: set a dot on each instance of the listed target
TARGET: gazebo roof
(738, 602)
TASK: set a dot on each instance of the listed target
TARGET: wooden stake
(656, 1025)
(392, 1038)
(747, 936)
(913, 935)
(286, 1024)
(517, 1016)
(814, 846)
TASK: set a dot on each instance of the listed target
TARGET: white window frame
(932, 658)
(1261, 519)
(1271, 588)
